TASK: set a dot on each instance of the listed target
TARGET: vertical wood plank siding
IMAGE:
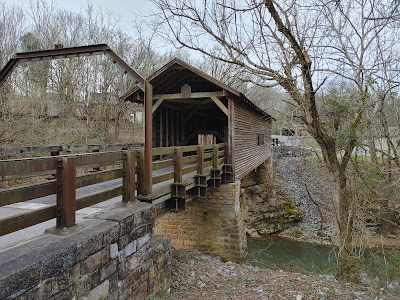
(248, 124)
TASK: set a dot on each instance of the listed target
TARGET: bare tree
(72, 100)
(297, 45)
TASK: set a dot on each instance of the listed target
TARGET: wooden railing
(56, 150)
(65, 175)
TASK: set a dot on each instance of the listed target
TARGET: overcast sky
(123, 9)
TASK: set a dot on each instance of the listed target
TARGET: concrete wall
(214, 224)
(112, 255)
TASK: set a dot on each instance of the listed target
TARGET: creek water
(289, 255)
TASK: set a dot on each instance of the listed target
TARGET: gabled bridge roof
(171, 77)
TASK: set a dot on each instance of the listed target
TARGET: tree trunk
(371, 146)
(344, 218)
(348, 263)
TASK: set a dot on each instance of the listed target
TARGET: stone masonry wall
(214, 224)
(112, 255)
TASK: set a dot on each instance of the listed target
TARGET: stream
(276, 252)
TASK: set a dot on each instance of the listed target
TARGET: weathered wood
(161, 129)
(28, 175)
(182, 129)
(178, 164)
(29, 150)
(27, 192)
(163, 177)
(172, 128)
(227, 155)
(209, 147)
(215, 157)
(71, 148)
(167, 128)
(157, 104)
(85, 180)
(190, 169)
(98, 158)
(163, 151)
(66, 191)
(178, 127)
(200, 160)
(28, 219)
(189, 159)
(163, 164)
(148, 130)
(97, 197)
(186, 91)
(27, 165)
(208, 155)
(231, 133)
(221, 106)
(208, 164)
(247, 154)
(140, 172)
(32, 191)
(129, 174)
(192, 96)
(171, 150)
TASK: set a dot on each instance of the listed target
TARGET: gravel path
(199, 276)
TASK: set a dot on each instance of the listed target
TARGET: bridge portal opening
(189, 122)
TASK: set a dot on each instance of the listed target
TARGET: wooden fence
(170, 165)
(32, 150)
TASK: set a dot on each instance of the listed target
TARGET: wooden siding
(248, 126)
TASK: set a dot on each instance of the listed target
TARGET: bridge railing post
(215, 157)
(227, 154)
(141, 173)
(178, 165)
(66, 192)
(200, 160)
(128, 179)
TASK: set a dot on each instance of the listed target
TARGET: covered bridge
(190, 108)
(184, 109)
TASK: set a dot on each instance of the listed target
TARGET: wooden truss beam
(219, 104)
(61, 53)
(192, 95)
(157, 104)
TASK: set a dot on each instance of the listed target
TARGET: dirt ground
(199, 276)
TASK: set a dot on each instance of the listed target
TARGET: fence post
(227, 154)
(200, 160)
(215, 157)
(178, 174)
(141, 173)
(66, 191)
(128, 179)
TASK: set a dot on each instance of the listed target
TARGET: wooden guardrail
(64, 185)
(29, 150)
(172, 163)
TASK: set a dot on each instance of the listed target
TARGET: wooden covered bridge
(199, 134)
